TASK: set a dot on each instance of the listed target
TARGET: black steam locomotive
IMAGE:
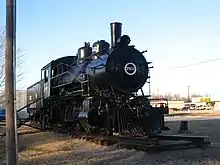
(96, 90)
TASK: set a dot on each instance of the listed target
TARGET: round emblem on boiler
(130, 68)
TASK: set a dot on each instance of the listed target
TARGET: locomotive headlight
(130, 68)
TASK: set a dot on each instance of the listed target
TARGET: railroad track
(151, 143)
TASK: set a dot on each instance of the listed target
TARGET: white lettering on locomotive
(130, 69)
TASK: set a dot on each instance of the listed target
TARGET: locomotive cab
(45, 80)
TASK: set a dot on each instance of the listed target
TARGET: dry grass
(54, 149)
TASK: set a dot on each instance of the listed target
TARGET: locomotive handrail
(27, 119)
(78, 62)
(69, 66)
(97, 67)
(60, 74)
(67, 72)
(62, 84)
(60, 64)
(28, 104)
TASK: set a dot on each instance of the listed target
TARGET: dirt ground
(194, 113)
(55, 149)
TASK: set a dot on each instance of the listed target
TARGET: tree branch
(19, 64)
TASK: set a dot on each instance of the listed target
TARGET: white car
(207, 107)
(192, 107)
(203, 107)
(199, 107)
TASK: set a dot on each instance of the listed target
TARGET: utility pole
(188, 94)
(149, 84)
(11, 148)
(15, 75)
(149, 78)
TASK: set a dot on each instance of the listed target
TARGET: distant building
(201, 99)
(195, 99)
(21, 98)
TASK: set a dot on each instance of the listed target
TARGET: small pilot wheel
(88, 129)
(77, 126)
(108, 132)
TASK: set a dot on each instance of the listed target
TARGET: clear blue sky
(174, 32)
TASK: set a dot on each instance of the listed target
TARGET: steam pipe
(116, 29)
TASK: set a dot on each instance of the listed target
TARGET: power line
(202, 62)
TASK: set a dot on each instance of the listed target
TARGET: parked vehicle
(207, 107)
(185, 108)
(2, 114)
(192, 106)
(174, 109)
(202, 107)
(188, 106)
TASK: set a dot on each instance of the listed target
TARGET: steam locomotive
(97, 90)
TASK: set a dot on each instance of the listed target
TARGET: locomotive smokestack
(115, 33)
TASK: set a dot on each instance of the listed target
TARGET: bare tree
(196, 95)
(176, 97)
(168, 96)
(19, 64)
